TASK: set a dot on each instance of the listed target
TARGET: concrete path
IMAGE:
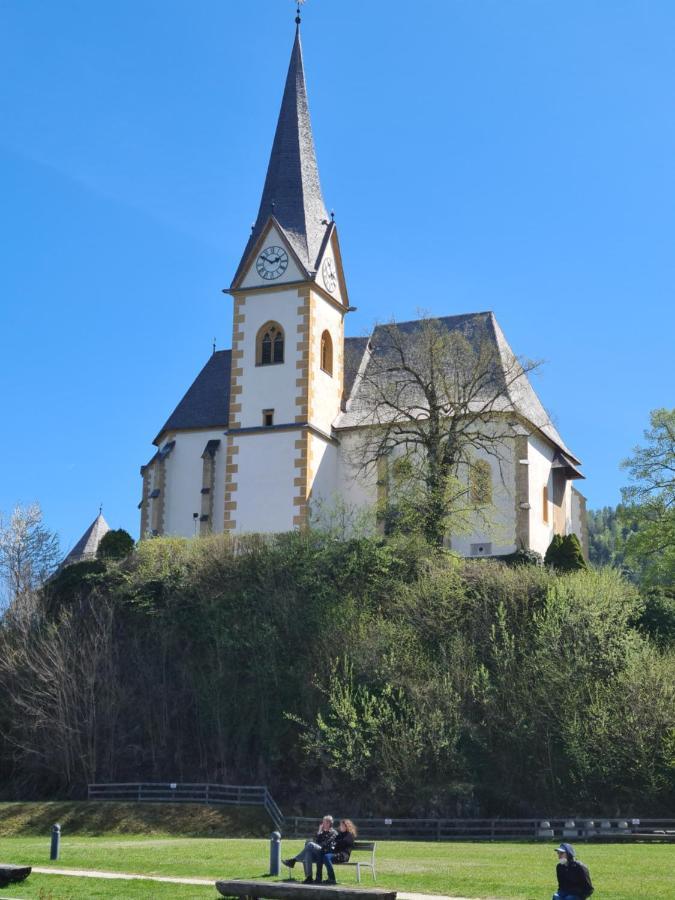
(203, 882)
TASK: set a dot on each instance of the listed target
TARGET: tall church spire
(292, 191)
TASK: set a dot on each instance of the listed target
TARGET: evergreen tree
(570, 555)
(553, 552)
(565, 554)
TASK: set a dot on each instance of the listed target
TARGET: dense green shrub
(115, 544)
(378, 674)
(657, 619)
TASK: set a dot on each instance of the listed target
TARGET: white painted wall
(357, 490)
(578, 524)
(265, 481)
(497, 525)
(272, 386)
(184, 468)
(540, 455)
(326, 389)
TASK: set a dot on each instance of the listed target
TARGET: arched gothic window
(270, 345)
(327, 353)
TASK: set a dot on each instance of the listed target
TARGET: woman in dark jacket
(340, 853)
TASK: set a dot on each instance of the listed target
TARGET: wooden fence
(569, 829)
(175, 792)
(498, 829)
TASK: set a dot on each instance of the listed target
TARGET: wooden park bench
(296, 890)
(13, 874)
(359, 847)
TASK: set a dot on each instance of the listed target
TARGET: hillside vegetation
(377, 676)
(96, 818)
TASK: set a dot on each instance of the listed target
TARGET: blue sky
(479, 154)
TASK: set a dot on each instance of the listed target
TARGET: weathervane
(297, 17)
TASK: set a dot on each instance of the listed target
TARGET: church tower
(287, 371)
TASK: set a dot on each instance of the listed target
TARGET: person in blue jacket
(574, 879)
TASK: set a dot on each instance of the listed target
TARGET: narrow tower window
(278, 347)
(327, 353)
(270, 345)
(268, 418)
(266, 349)
(544, 500)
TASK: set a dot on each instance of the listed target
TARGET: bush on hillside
(115, 544)
(379, 674)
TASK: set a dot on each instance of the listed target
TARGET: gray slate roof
(292, 191)
(519, 396)
(87, 545)
(206, 403)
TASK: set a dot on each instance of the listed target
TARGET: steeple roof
(292, 191)
(87, 545)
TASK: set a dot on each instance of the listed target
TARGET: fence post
(275, 853)
(56, 842)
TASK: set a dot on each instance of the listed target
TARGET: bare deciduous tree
(439, 397)
(29, 551)
(60, 694)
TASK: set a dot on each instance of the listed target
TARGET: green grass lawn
(485, 870)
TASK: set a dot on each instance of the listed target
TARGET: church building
(268, 434)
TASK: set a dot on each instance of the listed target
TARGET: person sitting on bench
(313, 851)
(340, 852)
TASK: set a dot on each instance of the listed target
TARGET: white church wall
(357, 490)
(184, 467)
(265, 481)
(323, 476)
(326, 389)
(217, 524)
(579, 522)
(272, 386)
(540, 457)
(568, 509)
(493, 529)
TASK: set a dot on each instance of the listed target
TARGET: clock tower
(290, 299)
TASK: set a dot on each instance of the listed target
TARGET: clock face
(329, 276)
(272, 263)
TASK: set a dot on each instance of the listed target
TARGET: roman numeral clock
(272, 263)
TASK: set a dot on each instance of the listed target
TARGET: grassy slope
(523, 871)
(185, 819)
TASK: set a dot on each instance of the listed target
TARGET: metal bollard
(56, 841)
(275, 853)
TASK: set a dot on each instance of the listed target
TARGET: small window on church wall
(480, 482)
(268, 417)
(270, 345)
(327, 353)
(544, 499)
